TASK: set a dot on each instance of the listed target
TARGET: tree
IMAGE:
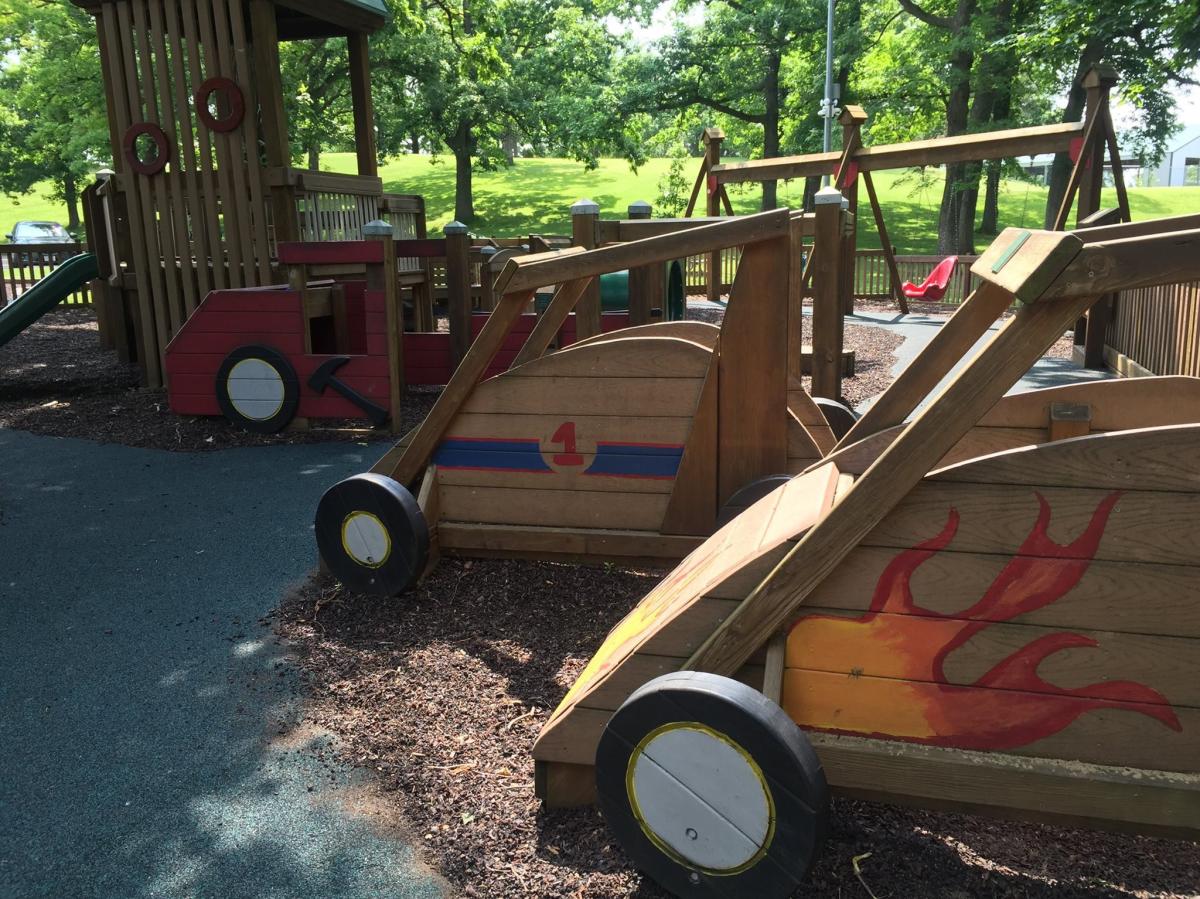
(53, 125)
(472, 74)
(735, 62)
(1150, 43)
(316, 90)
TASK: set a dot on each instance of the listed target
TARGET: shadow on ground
(150, 716)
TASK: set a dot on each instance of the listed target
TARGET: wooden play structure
(204, 191)
(620, 446)
(354, 326)
(1089, 143)
(1011, 632)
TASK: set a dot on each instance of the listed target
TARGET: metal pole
(827, 108)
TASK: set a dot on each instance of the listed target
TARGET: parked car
(38, 233)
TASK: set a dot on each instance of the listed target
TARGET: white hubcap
(700, 797)
(255, 389)
(365, 539)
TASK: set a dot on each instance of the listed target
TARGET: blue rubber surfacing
(148, 716)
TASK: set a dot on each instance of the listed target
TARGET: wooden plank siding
(1157, 329)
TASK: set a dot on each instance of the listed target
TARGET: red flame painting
(914, 701)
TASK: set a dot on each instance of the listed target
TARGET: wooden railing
(23, 265)
(1157, 329)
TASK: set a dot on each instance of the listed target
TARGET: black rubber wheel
(748, 496)
(711, 788)
(372, 534)
(841, 418)
(257, 388)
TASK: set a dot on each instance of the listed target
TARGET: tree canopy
(488, 80)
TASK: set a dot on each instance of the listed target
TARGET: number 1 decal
(569, 457)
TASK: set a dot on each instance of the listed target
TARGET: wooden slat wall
(203, 222)
(1159, 328)
(23, 265)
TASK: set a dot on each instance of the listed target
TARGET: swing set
(1087, 142)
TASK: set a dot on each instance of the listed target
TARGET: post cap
(378, 228)
(454, 228)
(105, 173)
(585, 207)
(827, 196)
(640, 207)
(488, 251)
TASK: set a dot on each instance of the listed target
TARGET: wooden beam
(936, 151)
(947, 348)
(551, 320)
(886, 243)
(712, 158)
(531, 272)
(418, 452)
(1114, 265)
(639, 229)
(364, 107)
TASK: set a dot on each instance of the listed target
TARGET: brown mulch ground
(57, 380)
(441, 694)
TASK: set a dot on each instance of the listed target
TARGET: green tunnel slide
(46, 294)
(614, 292)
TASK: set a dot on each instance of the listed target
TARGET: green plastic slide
(46, 294)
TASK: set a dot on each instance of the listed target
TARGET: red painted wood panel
(330, 252)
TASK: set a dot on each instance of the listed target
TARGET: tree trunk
(1060, 171)
(314, 157)
(812, 184)
(771, 126)
(957, 116)
(463, 146)
(991, 200)
(71, 198)
(414, 144)
(994, 167)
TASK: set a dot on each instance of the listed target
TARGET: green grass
(35, 206)
(535, 195)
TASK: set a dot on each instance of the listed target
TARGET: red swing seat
(932, 288)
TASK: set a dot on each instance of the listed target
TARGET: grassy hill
(534, 195)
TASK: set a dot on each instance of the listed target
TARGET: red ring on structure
(233, 97)
(162, 145)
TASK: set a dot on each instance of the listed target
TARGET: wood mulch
(57, 380)
(440, 694)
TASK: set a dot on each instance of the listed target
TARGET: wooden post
(795, 306)
(585, 220)
(364, 108)
(1098, 81)
(712, 156)
(384, 277)
(264, 37)
(827, 324)
(646, 283)
(458, 289)
(851, 119)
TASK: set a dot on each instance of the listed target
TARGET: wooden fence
(1158, 330)
(871, 277)
(24, 264)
